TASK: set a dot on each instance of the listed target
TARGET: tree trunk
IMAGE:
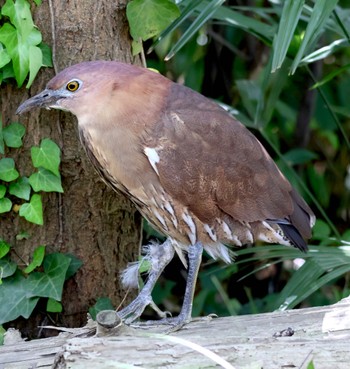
(89, 220)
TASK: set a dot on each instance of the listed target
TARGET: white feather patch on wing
(153, 157)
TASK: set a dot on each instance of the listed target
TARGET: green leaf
(331, 75)
(22, 236)
(287, 25)
(20, 188)
(74, 265)
(47, 156)
(5, 205)
(19, 38)
(20, 15)
(38, 257)
(53, 306)
(2, 335)
(13, 134)
(8, 172)
(4, 57)
(4, 248)
(33, 211)
(45, 180)
(299, 156)
(319, 16)
(2, 191)
(16, 298)
(2, 147)
(7, 267)
(50, 283)
(47, 54)
(148, 18)
(103, 303)
(35, 63)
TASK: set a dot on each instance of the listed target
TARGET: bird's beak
(45, 99)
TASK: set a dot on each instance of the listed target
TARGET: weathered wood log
(320, 335)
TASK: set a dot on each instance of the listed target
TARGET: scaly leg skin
(159, 260)
(194, 260)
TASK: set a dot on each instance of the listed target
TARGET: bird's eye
(72, 86)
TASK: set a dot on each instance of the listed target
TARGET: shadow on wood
(320, 335)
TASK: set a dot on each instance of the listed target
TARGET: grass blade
(203, 17)
(287, 25)
(320, 14)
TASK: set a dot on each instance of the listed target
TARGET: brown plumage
(197, 174)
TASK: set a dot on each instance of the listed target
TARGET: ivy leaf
(74, 265)
(5, 205)
(148, 18)
(47, 156)
(45, 180)
(8, 172)
(35, 63)
(20, 40)
(50, 283)
(2, 191)
(20, 15)
(47, 54)
(38, 257)
(2, 147)
(20, 188)
(7, 267)
(4, 248)
(16, 298)
(4, 56)
(33, 211)
(53, 306)
(13, 134)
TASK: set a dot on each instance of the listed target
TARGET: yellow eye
(72, 85)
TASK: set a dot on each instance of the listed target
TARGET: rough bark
(321, 335)
(89, 220)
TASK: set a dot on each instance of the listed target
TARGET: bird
(194, 172)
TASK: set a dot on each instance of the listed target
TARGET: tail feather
(294, 236)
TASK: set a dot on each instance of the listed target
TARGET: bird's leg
(160, 256)
(194, 260)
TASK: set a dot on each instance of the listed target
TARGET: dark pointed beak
(45, 99)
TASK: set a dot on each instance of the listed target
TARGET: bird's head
(99, 86)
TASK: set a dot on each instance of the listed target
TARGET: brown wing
(212, 164)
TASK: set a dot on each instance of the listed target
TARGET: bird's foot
(135, 309)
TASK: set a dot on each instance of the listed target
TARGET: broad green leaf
(148, 18)
(287, 25)
(7, 267)
(4, 248)
(16, 298)
(47, 54)
(33, 211)
(2, 191)
(320, 14)
(5, 205)
(53, 306)
(38, 257)
(103, 303)
(20, 16)
(4, 56)
(2, 147)
(44, 180)
(2, 335)
(47, 155)
(20, 188)
(35, 63)
(74, 265)
(299, 156)
(320, 230)
(8, 172)
(50, 283)
(13, 134)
